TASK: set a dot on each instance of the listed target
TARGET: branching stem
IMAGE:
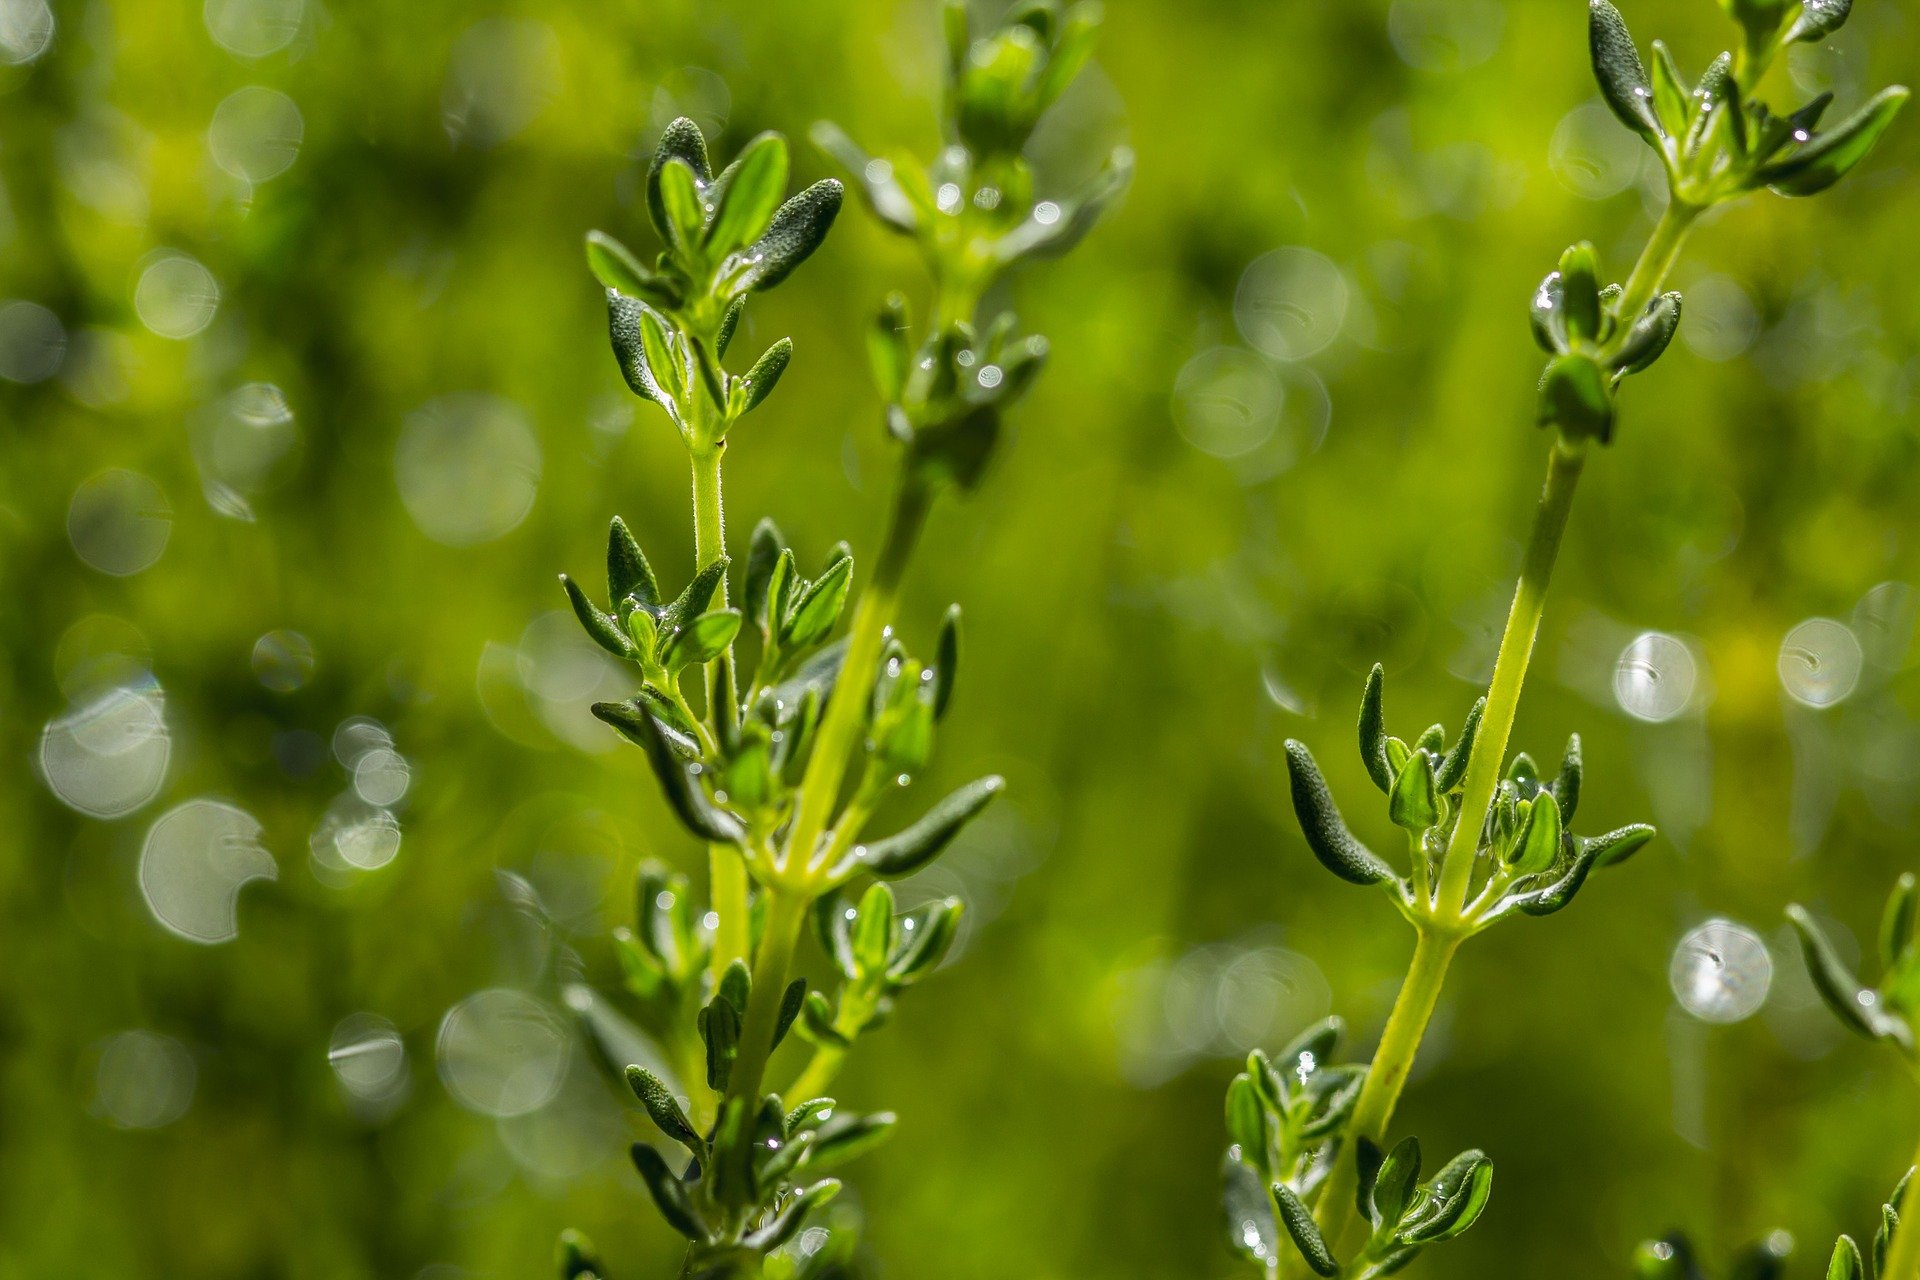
(1509, 674)
(793, 888)
(1451, 920)
(1392, 1063)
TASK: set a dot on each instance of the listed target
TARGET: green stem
(840, 726)
(1450, 924)
(709, 545)
(1509, 673)
(727, 892)
(1903, 1255)
(1387, 1076)
(793, 891)
(821, 1069)
(858, 1003)
(1657, 258)
(786, 916)
(727, 898)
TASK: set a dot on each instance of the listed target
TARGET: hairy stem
(1432, 954)
(1657, 258)
(857, 1006)
(786, 916)
(727, 894)
(820, 1071)
(793, 892)
(1509, 674)
(1386, 1077)
(839, 731)
(1903, 1255)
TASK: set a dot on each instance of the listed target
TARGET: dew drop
(33, 342)
(1291, 303)
(196, 859)
(253, 28)
(176, 296)
(1655, 677)
(1227, 402)
(26, 29)
(368, 1058)
(109, 757)
(1820, 662)
(144, 1080)
(1721, 972)
(468, 467)
(502, 1052)
(119, 522)
(256, 133)
(283, 661)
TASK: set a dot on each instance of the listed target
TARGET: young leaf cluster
(1527, 859)
(1287, 1116)
(733, 777)
(1715, 138)
(724, 237)
(878, 952)
(777, 712)
(974, 214)
(1717, 141)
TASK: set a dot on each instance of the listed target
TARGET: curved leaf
(1833, 152)
(1321, 823)
(921, 843)
(682, 787)
(1617, 66)
(1298, 1220)
(797, 229)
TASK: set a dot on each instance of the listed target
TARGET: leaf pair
(1885, 1012)
(879, 951)
(664, 639)
(1541, 865)
(661, 363)
(732, 232)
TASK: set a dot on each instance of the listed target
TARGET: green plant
(1490, 837)
(1672, 1257)
(1885, 1012)
(778, 763)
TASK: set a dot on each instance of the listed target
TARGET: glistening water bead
(502, 1053)
(1291, 303)
(144, 1080)
(255, 133)
(1721, 972)
(109, 757)
(196, 859)
(368, 1058)
(1820, 662)
(1655, 677)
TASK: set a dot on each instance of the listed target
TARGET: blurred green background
(305, 396)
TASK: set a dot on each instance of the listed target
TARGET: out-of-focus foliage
(303, 393)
